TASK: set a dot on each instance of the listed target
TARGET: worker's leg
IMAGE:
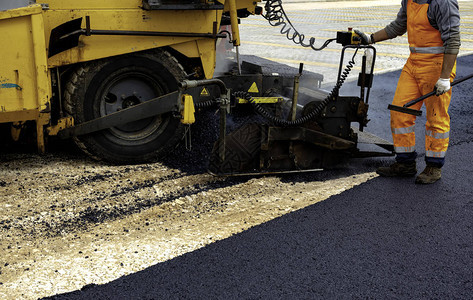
(402, 126)
(437, 127)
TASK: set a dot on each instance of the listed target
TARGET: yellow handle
(234, 22)
(188, 113)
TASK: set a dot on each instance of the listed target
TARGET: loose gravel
(67, 221)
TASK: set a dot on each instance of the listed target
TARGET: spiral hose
(276, 16)
(206, 104)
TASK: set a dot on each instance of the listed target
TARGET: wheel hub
(127, 90)
(130, 101)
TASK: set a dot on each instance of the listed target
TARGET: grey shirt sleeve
(443, 15)
(399, 26)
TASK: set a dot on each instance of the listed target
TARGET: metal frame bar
(160, 105)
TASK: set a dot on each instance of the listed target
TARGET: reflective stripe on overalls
(418, 77)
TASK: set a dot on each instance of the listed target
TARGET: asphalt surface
(387, 238)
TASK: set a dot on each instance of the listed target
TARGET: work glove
(365, 39)
(442, 86)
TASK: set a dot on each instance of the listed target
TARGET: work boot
(429, 175)
(398, 170)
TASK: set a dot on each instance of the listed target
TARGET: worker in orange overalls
(433, 31)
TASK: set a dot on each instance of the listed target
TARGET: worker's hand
(442, 86)
(365, 39)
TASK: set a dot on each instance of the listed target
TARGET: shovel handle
(410, 103)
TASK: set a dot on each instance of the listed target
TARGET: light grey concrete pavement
(321, 20)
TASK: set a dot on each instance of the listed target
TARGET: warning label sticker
(253, 88)
(204, 92)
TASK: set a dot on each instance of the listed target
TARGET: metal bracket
(153, 107)
(62, 123)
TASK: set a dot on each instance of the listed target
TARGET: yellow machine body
(25, 72)
(25, 88)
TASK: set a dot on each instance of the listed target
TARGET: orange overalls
(418, 77)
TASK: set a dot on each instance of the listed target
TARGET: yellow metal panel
(208, 56)
(15, 116)
(189, 49)
(43, 82)
(92, 4)
(128, 15)
(20, 12)
(132, 19)
(24, 83)
(97, 47)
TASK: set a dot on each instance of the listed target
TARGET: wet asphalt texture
(387, 238)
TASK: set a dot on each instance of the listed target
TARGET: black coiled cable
(276, 16)
(310, 116)
(206, 104)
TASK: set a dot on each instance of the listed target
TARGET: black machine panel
(180, 4)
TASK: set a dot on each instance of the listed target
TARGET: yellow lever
(188, 113)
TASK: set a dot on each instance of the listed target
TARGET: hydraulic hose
(276, 16)
(206, 104)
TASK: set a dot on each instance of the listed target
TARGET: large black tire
(102, 87)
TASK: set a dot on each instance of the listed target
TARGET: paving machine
(124, 79)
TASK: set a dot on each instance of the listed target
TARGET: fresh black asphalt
(387, 238)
